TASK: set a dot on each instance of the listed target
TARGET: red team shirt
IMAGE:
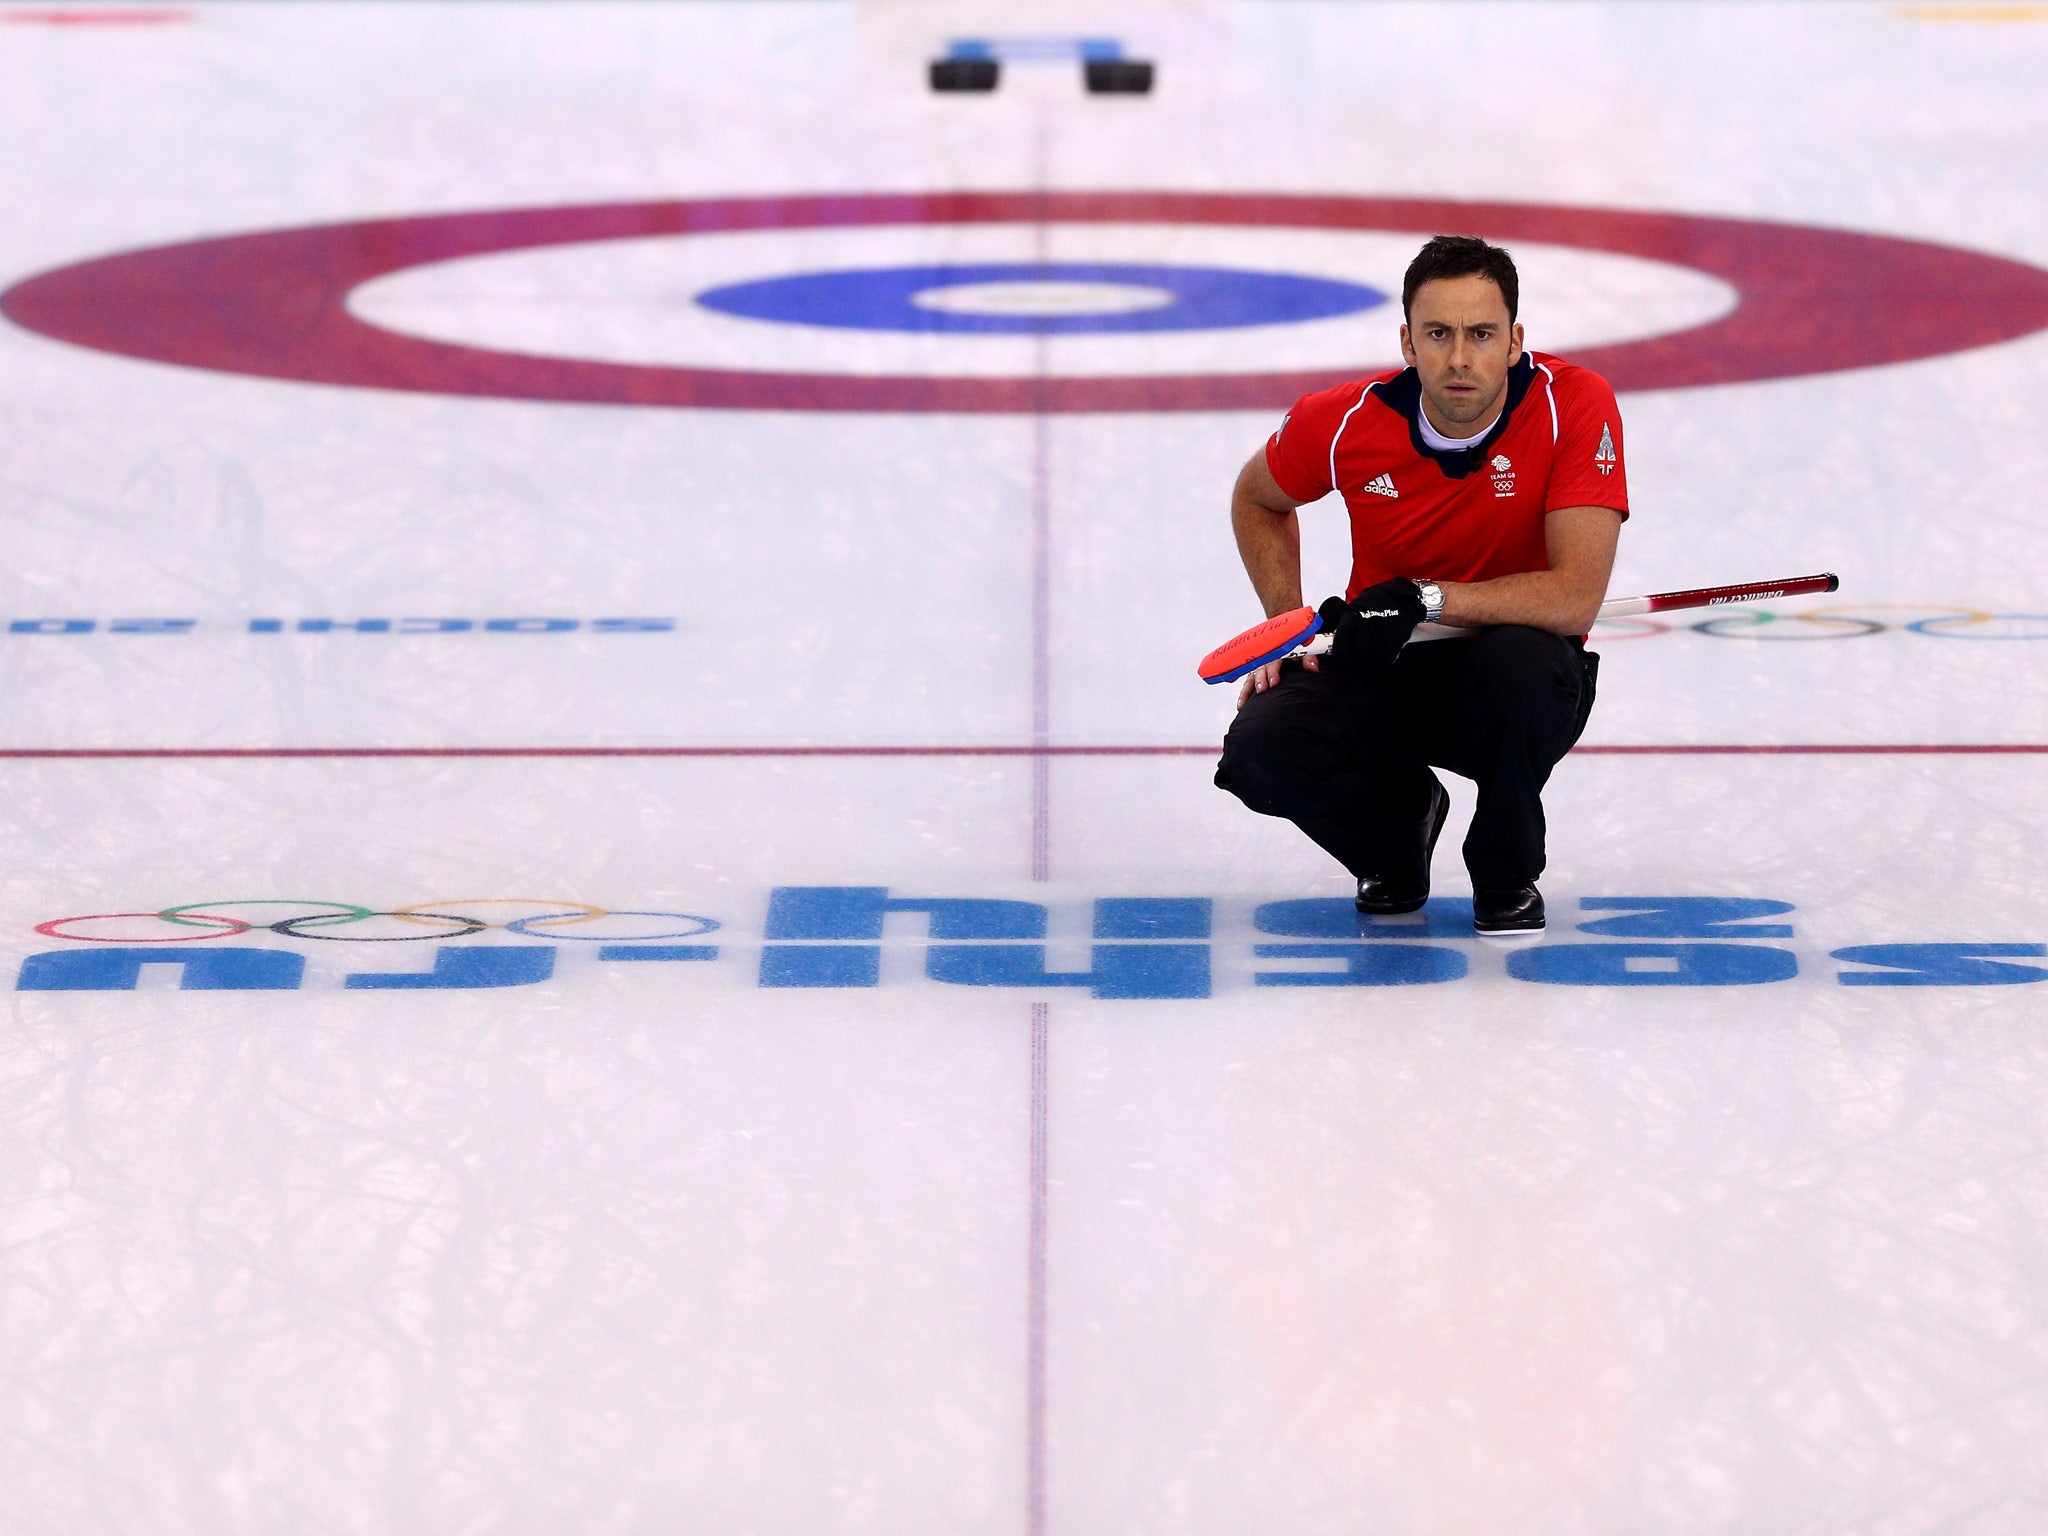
(1466, 516)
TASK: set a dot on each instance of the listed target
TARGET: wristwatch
(1432, 597)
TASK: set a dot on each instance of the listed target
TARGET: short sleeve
(1588, 469)
(1298, 452)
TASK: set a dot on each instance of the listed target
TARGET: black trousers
(1348, 760)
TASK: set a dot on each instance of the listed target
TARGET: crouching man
(1486, 490)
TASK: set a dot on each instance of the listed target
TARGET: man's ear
(1514, 343)
(1408, 346)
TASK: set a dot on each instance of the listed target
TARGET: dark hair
(1461, 256)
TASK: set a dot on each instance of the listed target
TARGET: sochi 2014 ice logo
(1113, 947)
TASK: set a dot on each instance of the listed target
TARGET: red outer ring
(273, 304)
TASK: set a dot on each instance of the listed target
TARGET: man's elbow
(1578, 614)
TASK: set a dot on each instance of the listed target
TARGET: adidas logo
(1605, 456)
(1382, 485)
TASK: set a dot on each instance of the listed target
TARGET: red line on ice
(1788, 749)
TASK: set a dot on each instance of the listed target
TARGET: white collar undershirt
(1438, 443)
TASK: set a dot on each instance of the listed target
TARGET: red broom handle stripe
(1714, 597)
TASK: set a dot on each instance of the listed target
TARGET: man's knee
(1282, 754)
(1280, 771)
(1515, 651)
(1525, 681)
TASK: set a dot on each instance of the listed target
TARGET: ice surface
(1079, 1205)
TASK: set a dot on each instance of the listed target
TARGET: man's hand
(1368, 632)
(1268, 675)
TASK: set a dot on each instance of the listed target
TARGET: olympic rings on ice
(227, 926)
(1835, 621)
(1813, 624)
(437, 919)
(705, 925)
(347, 912)
(1950, 627)
(294, 927)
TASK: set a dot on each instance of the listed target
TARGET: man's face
(1458, 339)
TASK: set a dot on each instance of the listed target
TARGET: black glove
(1368, 632)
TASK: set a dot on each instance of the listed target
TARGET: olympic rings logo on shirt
(342, 920)
(1837, 621)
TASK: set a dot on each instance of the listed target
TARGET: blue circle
(880, 299)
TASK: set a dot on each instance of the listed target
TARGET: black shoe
(1391, 895)
(1507, 909)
